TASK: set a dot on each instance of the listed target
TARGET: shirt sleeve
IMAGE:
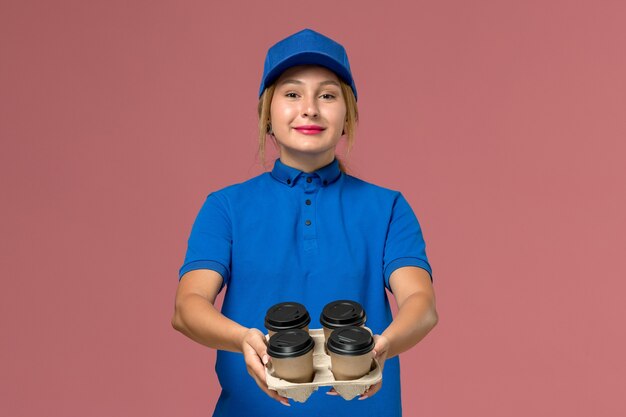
(209, 245)
(404, 245)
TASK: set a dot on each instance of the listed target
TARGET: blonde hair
(352, 117)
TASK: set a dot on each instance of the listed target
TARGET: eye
(328, 96)
(291, 95)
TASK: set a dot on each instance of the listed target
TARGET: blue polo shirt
(287, 235)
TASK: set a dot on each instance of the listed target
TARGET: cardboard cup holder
(301, 392)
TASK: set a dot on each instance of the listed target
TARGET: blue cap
(306, 47)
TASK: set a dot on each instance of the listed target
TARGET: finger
(270, 392)
(256, 355)
(332, 392)
(365, 394)
(259, 344)
(374, 389)
(253, 362)
(379, 349)
(258, 369)
(274, 395)
(380, 343)
(371, 391)
(376, 352)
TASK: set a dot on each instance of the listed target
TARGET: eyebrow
(293, 81)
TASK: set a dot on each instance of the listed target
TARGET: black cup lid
(288, 315)
(351, 341)
(290, 344)
(342, 313)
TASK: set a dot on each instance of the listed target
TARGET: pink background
(502, 122)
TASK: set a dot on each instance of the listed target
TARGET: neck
(307, 164)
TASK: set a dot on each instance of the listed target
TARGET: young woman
(308, 232)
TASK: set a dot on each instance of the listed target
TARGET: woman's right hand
(254, 348)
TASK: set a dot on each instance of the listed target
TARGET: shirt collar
(288, 175)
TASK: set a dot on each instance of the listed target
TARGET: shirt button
(288, 181)
(309, 179)
(308, 202)
(308, 222)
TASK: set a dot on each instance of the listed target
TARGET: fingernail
(363, 397)
(285, 402)
(265, 360)
(332, 393)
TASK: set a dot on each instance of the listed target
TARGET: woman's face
(308, 113)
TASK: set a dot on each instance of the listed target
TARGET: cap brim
(307, 58)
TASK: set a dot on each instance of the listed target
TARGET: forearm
(199, 320)
(416, 317)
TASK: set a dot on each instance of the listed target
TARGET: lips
(309, 129)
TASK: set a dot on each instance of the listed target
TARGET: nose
(309, 107)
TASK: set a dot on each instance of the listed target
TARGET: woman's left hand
(381, 349)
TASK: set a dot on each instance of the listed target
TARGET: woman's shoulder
(244, 187)
(363, 186)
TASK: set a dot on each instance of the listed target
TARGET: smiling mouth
(309, 130)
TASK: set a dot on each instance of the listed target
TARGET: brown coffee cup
(286, 316)
(350, 350)
(292, 355)
(339, 314)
